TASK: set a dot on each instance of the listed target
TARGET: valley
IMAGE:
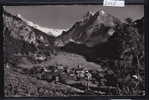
(99, 55)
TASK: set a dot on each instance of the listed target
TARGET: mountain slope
(19, 37)
(20, 30)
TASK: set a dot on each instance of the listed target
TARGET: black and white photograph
(73, 50)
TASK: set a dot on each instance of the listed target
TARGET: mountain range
(95, 28)
(99, 34)
(96, 35)
(98, 55)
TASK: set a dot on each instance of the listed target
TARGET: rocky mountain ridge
(19, 37)
(93, 29)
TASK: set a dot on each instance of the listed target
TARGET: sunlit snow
(49, 31)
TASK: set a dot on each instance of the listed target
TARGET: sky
(64, 16)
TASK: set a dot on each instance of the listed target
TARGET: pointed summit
(100, 13)
(87, 15)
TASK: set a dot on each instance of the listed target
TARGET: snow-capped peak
(102, 12)
(18, 15)
(55, 32)
(49, 31)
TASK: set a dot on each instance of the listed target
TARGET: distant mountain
(49, 31)
(95, 28)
